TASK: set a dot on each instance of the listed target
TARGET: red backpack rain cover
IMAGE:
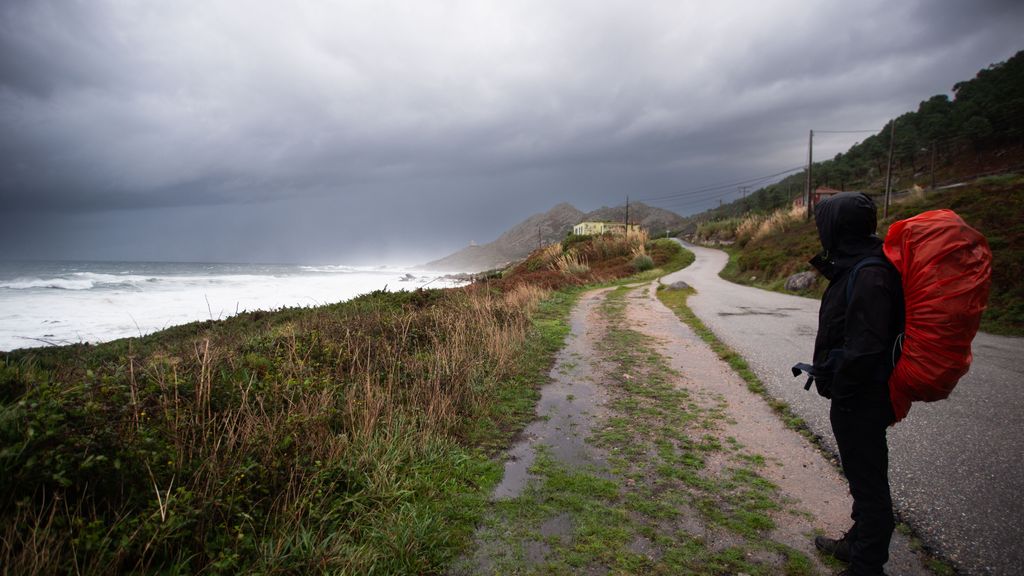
(946, 269)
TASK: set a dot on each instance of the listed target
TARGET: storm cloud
(364, 131)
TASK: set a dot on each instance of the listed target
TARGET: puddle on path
(567, 407)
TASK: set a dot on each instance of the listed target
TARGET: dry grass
(753, 226)
(607, 246)
(570, 263)
(548, 255)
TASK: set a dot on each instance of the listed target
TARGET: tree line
(986, 113)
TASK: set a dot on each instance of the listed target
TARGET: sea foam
(69, 303)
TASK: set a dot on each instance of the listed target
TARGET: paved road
(956, 467)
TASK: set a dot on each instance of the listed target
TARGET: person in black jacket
(858, 324)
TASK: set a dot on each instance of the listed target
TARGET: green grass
(675, 300)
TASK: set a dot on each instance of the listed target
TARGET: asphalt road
(956, 466)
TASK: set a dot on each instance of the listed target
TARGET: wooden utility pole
(810, 162)
(934, 146)
(888, 171)
(627, 213)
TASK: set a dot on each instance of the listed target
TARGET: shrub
(571, 264)
(642, 262)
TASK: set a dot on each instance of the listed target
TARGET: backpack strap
(897, 346)
(869, 261)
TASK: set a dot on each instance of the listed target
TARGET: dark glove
(822, 379)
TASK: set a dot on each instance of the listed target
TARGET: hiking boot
(839, 549)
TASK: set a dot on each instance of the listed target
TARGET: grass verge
(675, 300)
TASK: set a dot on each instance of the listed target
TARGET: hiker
(857, 326)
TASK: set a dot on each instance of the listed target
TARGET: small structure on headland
(595, 228)
(820, 193)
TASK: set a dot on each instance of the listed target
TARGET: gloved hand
(822, 378)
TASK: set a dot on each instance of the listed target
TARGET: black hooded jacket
(853, 351)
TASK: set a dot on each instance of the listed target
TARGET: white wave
(77, 281)
(343, 269)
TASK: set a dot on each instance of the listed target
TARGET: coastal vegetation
(351, 438)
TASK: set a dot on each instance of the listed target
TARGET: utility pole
(810, 162)
(540, 242)
(934, 146)
(888, 171)
(627, 213)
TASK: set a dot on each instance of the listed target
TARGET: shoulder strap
(897, 346)
(869, 261)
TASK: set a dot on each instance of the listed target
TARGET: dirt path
(651, 456)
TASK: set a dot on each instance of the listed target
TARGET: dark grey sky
(378, 131)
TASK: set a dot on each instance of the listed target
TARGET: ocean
(56, 303)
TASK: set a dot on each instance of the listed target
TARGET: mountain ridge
(547, 228)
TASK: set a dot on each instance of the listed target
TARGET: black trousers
(859, 425)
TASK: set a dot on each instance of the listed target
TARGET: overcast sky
(377, 131)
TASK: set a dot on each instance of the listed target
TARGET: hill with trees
(979, 132)
(965, 154)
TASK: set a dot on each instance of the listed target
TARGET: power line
(845, 131)
(696, 200)
(717, 191)
(714, 187)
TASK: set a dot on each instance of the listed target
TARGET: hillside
(518, 241)
(977, 133)
(547, 228)
(656, 220)
(767, 249)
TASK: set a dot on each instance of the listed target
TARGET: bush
(642, 263)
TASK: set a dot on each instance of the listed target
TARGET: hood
(846, 227)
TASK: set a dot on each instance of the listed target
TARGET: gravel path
(956, 466)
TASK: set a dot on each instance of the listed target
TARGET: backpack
(945, 267)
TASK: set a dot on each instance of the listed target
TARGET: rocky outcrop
(801, 281)
(515, 244)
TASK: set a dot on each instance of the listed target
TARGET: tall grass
(611, 245)
(752, 226)
(324, 440)
(570, 263)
